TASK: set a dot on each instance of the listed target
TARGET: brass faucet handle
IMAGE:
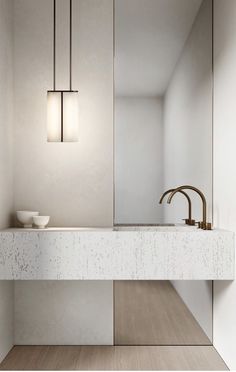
(204, 226)
(207, 226)
(189, 221)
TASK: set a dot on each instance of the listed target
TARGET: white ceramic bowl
(26, 217)
(41, 221)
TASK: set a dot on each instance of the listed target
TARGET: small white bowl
(41, 221)
(26, 217)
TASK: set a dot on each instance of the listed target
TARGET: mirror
(163, 139)
(163, 107)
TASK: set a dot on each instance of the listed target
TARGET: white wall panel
(224, 167)
(63, 312)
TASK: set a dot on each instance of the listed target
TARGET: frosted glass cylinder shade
(62, 116)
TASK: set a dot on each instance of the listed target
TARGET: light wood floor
(146, 312)
(152, 313)
(113, 358)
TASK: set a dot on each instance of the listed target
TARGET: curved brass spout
(188, 221)
(204, 225)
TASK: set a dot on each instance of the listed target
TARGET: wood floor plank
(152, 313)
(116, 358)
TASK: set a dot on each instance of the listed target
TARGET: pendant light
(62, 110)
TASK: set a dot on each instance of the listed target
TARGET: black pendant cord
(62, 126)
(54, 44)
(70, 44)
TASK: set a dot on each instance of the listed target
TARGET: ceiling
(149, 38)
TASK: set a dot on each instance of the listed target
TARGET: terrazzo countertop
(147, 252)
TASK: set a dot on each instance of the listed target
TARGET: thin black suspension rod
(62, 124)
(70, 44)
(54, 44)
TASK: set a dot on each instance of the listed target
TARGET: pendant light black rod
(54, 44)
(70, 44)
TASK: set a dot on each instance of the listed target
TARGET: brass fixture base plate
(189, 222)
(205, 226)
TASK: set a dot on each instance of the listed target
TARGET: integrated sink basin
(144, 225)
(159, 227)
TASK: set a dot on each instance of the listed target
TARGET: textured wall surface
(6, 112)
(6, 162)
(71, 182)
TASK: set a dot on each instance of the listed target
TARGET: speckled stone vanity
(158, 253)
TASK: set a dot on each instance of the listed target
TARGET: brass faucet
(202, 224)
(188, 220)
